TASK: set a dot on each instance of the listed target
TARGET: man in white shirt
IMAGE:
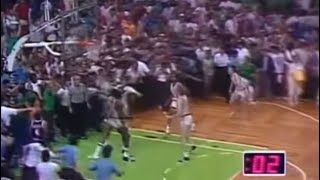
(221, 77)
(34, 85)
(278, 61)
(63, 119)
(243, 53)
(302, 53)
(208, 71)
(143, 69)
(201, 51)
(221, 59)
(47, 170)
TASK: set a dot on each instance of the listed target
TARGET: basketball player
(38, 128)
(115, 118)
(240, 89)
(170, 106)
(184, 115)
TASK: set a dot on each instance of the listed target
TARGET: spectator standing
(35, 85)
(162, 86)
(63, 114)
(208, 71)
(49, 108)
(243, 52)
(78, 108)
(278, 83)
(222, 78)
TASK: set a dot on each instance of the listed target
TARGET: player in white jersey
(241, 91)
(170, 108)
(185, 117)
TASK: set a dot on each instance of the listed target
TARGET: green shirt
(29, 98)
(49, 100)
(247, 70)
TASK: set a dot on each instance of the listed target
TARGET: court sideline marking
(202, 139)
(304, 176)
(180, 164)
(302, 172)
(292, 110)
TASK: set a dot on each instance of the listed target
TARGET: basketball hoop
(11, 59)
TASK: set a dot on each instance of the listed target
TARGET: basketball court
(221, 142)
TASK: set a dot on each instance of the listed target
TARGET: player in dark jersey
(115, 119)
(38, 128)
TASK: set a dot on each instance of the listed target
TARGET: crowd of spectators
(144, 44)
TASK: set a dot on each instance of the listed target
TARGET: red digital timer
(264, 163)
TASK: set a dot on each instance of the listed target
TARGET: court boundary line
(301, 171)
(168, 170)
(290, 109)
(198, 145)
(304, 174)
(235, 175)
(202, 139)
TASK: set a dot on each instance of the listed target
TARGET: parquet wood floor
(267, 125)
